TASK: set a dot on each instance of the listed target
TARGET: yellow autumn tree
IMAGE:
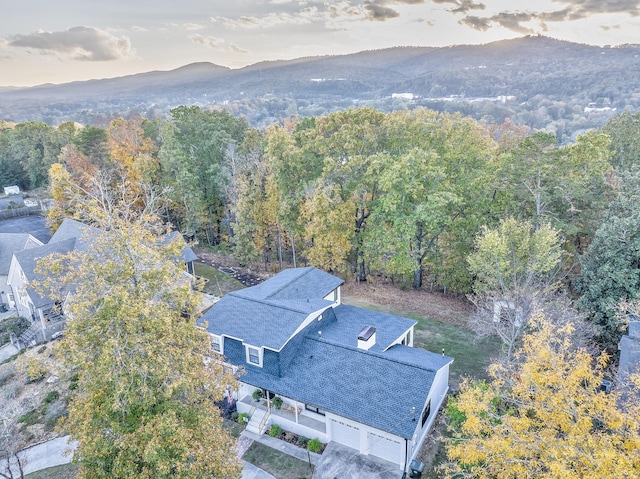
(145, 402)
(546, 416)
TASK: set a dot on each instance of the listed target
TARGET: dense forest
(408, 195)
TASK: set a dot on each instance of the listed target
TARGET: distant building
(403, 96)
(12, 190)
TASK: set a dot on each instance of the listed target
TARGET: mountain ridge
(514, 78)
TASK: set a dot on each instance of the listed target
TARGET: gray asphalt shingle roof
(384, 387)
(629, 364)
(295, 284)
(29, 258)
(259, 323)
(374, 389)
(268, 314)
(351, 320)
(12, 243)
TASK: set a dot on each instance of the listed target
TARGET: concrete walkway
(284, 446)
(59, 451)
(47, 454)
(347, 463)
(7, 351)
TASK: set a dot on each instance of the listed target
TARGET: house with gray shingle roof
(11, 243)
(47, 311)
(343, 373)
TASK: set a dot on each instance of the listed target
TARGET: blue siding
(234, 351)
(271, 362)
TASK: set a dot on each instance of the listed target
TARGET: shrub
(30, 418)
(314, 445)
(6, 375)
(277, 402)
(234, 416)
(257, 395)
(73, 384)
(34, 369)
(54, 412)
(275, 430)
(11, 391)
(243, 418)
(51, 396)
(302, 441)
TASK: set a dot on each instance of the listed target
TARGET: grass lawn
(471, 355)
(217, 283)
(277, 463)
(64, 471)
(233, 427)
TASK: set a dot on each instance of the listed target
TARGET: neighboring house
(345, 374)
(629, 364)
(47, 314)
(11, 243)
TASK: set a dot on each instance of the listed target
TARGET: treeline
(401, 195)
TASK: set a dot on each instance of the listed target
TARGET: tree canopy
(546, 416)
(145, 403)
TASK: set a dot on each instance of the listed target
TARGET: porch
(291, 416)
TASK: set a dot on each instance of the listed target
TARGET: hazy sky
(55, 41)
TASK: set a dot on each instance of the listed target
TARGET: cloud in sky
(236, 33)
(206, 40)
(79, 43)
(573, 10)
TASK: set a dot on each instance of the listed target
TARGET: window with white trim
(254, 355)
(217, 343)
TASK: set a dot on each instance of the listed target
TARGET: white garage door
(386, 448)
(345, 434)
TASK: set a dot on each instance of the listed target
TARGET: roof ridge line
(270, 302)
(293, 280)
(373, 353)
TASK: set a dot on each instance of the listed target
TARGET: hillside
(544, 83)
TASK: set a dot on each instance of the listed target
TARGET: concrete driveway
(342, 462)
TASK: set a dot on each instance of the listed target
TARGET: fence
(17, 212)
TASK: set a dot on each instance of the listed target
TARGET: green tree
(145, 403)
(414, 208)
(544, 416)
(347, 141)
(566, 187)
(194, 160)
(514, 266)
(610, 268)
(624, 131)
(434, 190)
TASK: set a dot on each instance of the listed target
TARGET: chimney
(367, 338)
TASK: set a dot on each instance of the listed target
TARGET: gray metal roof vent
(367, 337)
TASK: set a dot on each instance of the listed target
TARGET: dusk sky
(56, 41)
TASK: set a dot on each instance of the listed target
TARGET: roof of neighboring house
(629, 347)
(12, 243)
(187, 253)
(386, 391)
(28, 260)
(71, 235)
(276, 308)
